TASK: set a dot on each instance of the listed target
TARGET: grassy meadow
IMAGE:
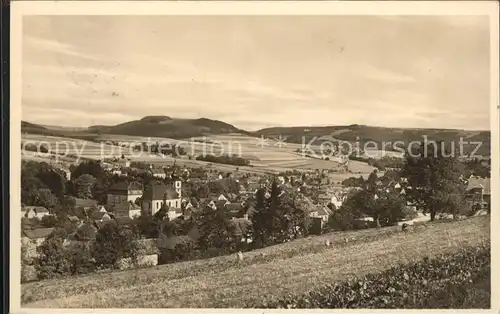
(295, 267)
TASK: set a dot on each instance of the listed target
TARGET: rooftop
(37, 209)
(126, 186)
(478, 182)
(159, 191)
(38, 233)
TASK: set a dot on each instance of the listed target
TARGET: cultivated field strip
(264, 159)
(296, 267)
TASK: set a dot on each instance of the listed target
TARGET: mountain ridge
(169, 127)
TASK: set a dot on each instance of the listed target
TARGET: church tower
(178, 187)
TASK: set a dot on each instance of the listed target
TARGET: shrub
(124, 263)
(52, 260)
(112, 243)
(342, 220)
(28, 273)
(176, 249)
(49, 221)
(80, 258)
(410, 213)
(441, 282)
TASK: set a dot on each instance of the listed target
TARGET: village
(146, 196)
(307, 160)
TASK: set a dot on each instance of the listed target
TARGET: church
(155, 194)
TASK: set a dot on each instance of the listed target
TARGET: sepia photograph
(317, 159)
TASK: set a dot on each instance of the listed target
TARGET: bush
(177, 249)
(124, 263)
(342, 220)
(28, 273)
(52, 261)
(49, 221)
(112, 243)
(441, 282)
(80, 258)
(410, 213)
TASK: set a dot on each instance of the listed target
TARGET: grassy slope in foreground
(297, 267)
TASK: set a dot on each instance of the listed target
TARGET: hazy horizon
(258, 71)
(62, 126)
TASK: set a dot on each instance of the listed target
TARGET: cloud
(387, 76)
(55, 47)
(79, 117)
(407, 71)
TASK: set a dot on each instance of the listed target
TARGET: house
(106, 166)
(123, 162)
(253, 187)
(478, 192)
(126, 221)
(174, 213)
(337, 200)
(222, 197)
(99, 224)
(216, 204)
(156, 194)
(187, 209)
(242, 190)
(324, 199)
(127, 209)
(34, 212)
(159, 173)
(38, 235)
(85, 203)
(235, 209)
(97, 215)
(242, 229)
(321, 212)
(122, 192)
(65, 171)
(74, 219)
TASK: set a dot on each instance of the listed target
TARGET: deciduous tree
(434, 179)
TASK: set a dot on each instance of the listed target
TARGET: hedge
(446, 281)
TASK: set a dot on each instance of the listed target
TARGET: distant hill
(168, 127)
(28, 127)
(163, 126)
(149, 126)
(363, 134)
(63, 128)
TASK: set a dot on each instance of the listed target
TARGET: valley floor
(294, 267)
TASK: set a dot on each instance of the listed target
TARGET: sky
(258, 71)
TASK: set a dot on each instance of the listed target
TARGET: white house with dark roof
(478, 192)
(34, 212)
(38, 235)
(321, 212)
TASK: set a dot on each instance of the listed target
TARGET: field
(265, 157)
(295, 267)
